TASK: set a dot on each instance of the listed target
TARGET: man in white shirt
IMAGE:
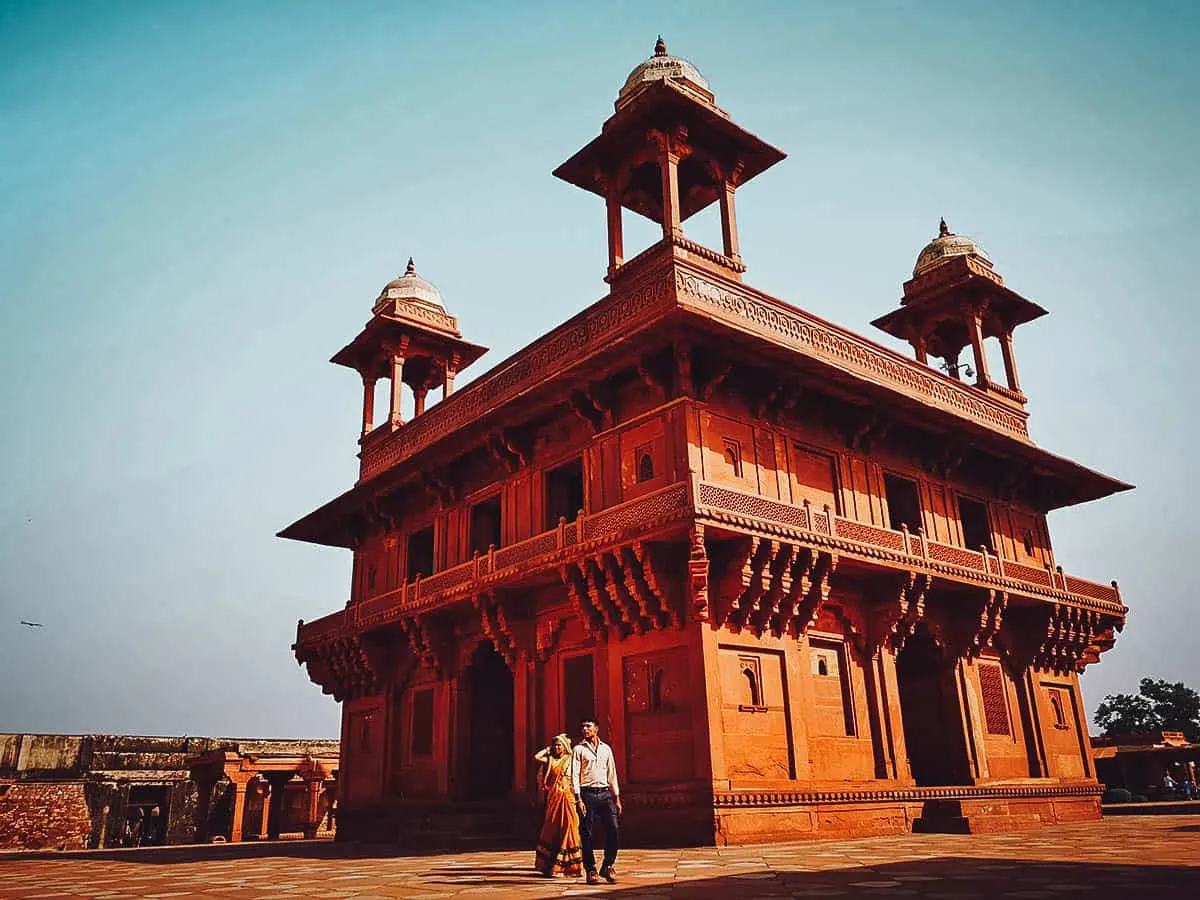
(598, 796)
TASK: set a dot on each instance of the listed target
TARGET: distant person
(558, 851)
(598, 796)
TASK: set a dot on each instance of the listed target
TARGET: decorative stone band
(750, 512)
(766, 799)
(795, 329)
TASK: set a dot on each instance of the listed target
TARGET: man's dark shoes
(593, 878)
(609, 875)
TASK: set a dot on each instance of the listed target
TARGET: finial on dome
(660, 47)
(943, 228)
(412, 269)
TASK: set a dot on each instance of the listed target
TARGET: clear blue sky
(200, 201)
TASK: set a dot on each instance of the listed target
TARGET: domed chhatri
(411, 286)
(664, 67)
(946, 246)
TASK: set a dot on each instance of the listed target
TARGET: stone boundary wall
(41, 815)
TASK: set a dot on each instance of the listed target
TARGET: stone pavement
(1155, 856)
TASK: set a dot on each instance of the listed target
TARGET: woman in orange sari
(558, 849)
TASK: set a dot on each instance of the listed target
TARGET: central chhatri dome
(664, 67)
(946, 246)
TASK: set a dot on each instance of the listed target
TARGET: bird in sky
(32, 624)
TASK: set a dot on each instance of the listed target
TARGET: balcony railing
(719, 503)
(919, 550)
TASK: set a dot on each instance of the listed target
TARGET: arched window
(645, 467)
(371, 578)
(752, 684)
(822, 666)
(1027, 540)
(733, 456)
(656, 690)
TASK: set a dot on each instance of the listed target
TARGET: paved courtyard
(1155, 856)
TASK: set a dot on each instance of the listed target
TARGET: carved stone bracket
(715, 379)
(347, 667)
(776, 586)
(657, 376)
(548, 631)
(510, 447)
(697, 575)
(438, 483)
(684, 385)
(429, 643)
(626, 590)
(594, 406)
(513, 639)
(1057, 637)
(866, 431)
(896, 618)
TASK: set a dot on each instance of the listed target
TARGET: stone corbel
(673, 140)
(867, 431)
(697, 575)
(817, 594)
(438, 483)
(684, 386)
(429, 643)
(511, 448)
(589, 615)
(593, 406)
(716, 379)
(650, 370)
(720, 173)
(896, 618)
(512, 639)
(945, 461)
(546, 637)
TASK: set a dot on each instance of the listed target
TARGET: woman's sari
(558, 849)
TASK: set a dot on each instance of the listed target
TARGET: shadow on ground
(947, 877)
(199, 853)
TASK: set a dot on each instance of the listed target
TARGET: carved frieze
(847, 351)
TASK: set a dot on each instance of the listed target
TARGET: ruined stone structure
(803, 581)
(77, 792)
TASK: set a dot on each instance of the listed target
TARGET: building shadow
(197, 853)
(941, 877)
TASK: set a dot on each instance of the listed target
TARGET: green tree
(1158, 705)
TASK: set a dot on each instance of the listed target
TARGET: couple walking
(581, 791)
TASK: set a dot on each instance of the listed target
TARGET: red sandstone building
(803, 581)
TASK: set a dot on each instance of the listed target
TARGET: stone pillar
(204, 790)
(972, 722)
(669, 166)
(1010, 362)
(879, 715)
(919, 348)
(521, 752)
(239, 811)
(312, 819)
(397, 386)
(729, 235)
(981, 370)
(419, 399)
(448, 384)
(265, 824)
(368, 412)
(616, 240)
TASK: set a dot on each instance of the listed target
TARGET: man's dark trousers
(598, 803)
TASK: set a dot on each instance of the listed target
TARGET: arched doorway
(490, 731)
(929, 707)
